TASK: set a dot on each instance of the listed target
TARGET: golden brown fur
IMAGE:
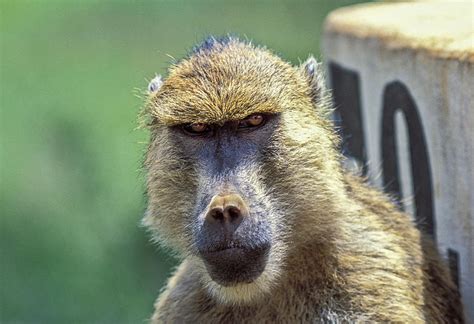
(342, 253)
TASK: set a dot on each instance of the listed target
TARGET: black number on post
(453, 260)
(348, 119)
(396, 97)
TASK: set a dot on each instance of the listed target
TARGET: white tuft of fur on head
(155, 84)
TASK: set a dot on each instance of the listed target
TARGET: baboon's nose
(227, 211)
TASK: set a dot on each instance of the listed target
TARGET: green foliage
(71, 189)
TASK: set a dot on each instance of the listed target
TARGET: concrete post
(403, 83)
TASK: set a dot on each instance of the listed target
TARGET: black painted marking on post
(396, 97)
(348, 119)
(453, 261)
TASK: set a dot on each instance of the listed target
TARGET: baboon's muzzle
(233, 245)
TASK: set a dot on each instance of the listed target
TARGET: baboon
(245, 185)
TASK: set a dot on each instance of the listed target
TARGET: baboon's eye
(254, 120)
(197, 128)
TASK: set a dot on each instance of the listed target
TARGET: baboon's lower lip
(233, 265)
(225, 257)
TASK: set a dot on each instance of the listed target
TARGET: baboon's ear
(155, 84)
(312, 71)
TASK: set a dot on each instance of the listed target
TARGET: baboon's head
(237, 165)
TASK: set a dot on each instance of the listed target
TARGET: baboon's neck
(315, 259)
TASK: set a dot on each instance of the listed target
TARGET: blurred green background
(71, 189)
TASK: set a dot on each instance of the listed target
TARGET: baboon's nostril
(217, 214)
(227, 209)
(233, 212)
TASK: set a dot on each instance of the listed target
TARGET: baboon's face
(222, 178)
(229, 220)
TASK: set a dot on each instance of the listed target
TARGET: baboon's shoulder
(179, 301)
(390, 245)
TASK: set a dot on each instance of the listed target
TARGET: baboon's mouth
(224, 247)
(231, 265)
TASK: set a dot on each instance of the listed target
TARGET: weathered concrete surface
(426, 50)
